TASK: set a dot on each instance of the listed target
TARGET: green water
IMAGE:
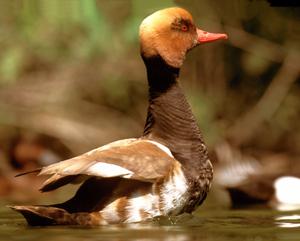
(208, 223)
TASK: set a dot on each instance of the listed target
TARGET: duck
(166, 171)
(260, 178)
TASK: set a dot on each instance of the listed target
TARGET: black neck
(170, 119)
(161, 76)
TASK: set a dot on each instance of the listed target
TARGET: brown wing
(132, 158)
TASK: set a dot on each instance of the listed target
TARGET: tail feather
(44, 216)
(28, 172)
(34, 215)
(57, 181)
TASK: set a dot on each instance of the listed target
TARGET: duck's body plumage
(126, 181)
(164, 172)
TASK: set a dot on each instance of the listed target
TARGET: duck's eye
(184, 28)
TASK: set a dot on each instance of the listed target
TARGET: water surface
(210, 222)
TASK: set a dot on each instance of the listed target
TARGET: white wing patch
(103, 169)
(87, 164)
(75, 166)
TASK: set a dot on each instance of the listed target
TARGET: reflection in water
(149, 232)
(210, 224)
(289, 225)
(288, 221)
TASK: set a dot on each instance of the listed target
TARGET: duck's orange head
(170, 33)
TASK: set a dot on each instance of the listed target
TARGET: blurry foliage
(71, 69)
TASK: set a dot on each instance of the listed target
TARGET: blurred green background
(71, 78)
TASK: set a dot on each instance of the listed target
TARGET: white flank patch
(287, 190)
(140, 203)
(162, 147)
(174, 193)
(103, 169)
(110, 213)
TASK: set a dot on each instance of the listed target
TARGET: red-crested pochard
(271, 179)
(164, 172)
